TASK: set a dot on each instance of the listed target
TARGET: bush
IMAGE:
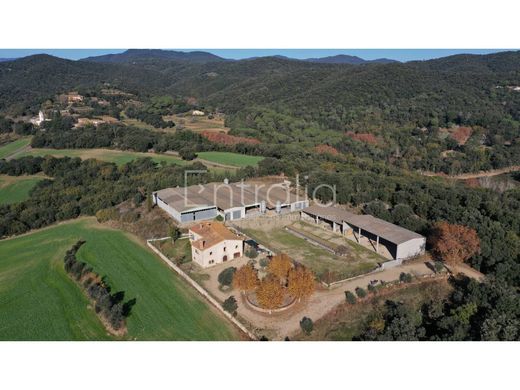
(225, 278)
(405, 277)
(130, 216)
(252, 253)
(109, 214)
(219, 218)
(360, 292)
(372, 289)
(187, 153)
(264, 262)
(307, 325)
(350, 297)
(438, 266)
(230, 305)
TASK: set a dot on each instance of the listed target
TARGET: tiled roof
(211, 234)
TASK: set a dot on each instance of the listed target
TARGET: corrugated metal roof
(226, 196)
(386, 230)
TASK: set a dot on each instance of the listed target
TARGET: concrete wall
(174, 213)
(411, 248)
(231, 213)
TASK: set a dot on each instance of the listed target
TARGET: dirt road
(465, 176)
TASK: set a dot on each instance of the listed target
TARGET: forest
(366, 129)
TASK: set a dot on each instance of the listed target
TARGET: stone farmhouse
(231, 201)
(212, 243)
(401, 243)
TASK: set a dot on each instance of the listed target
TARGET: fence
(200, 289)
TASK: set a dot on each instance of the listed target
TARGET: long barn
(232, 201)
(401, 243)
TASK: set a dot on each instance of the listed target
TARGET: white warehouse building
(232, 201)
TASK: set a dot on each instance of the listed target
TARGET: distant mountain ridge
(143, 55)
(346, 59)
(7, 59)
(138, 55)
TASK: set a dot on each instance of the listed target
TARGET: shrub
(264, 262)
(230, 305)
(405, 277)
(438, 266)
(138, 198)
(109, 214)
(187, 153)
(225, 278)
(372, 288)
(130, 216)
(307, 325)
(219, 218)
(252, 253)
(360, 292)
(350, 297)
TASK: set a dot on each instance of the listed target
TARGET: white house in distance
(212, 243)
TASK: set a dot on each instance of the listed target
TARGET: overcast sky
(368, 54)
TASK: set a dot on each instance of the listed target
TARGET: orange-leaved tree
(301, 282)
(279, 266)
(454, 244)
(270, 293)
(245, 278)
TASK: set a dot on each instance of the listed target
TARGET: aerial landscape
(175, 195)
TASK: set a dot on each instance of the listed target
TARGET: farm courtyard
(328, 267)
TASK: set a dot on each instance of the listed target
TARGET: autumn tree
(245, 278)
(270, 293)
(279, 266)
(454, 243)
(300, 282)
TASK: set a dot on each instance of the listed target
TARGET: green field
(227, 158)
(15, 189)
(8, 149)
(39, 301)
(116, 156)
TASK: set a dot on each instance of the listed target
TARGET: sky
(368, 54)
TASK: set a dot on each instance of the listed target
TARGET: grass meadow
(39, 301)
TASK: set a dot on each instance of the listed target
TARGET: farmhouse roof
(211, 234)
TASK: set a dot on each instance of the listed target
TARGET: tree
(270, 293)
(252, 253)
(350, 297)
(187, 153)
(307, 325)
(300, 282)
(405, 277)
(225, 278)
(279, 266)
(174, 233)
(230, 305)
(360, 292)
(149, 203)
(454, 244)
(245, 278)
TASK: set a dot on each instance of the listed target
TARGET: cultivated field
(39, 301)
(198, 124)
(12, 147)
(116, 156)
(15, 189)
(230, 159)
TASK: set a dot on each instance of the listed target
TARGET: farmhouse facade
(212, 243)
(231, 201)
(401, 243)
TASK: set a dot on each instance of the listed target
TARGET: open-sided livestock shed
(400, 242)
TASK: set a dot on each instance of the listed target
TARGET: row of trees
(108, 306)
